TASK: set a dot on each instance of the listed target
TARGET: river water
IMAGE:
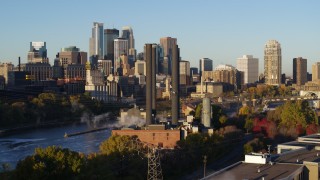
(18, 146)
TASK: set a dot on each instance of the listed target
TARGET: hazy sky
(221, 30)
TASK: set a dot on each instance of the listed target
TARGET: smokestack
(175, 85)
(148, 57)
(153, 61)
(206, 113)
(19, 64)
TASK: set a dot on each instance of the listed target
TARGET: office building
(105, 66)
(316, 71)
(272, 63)
(140, 68)
(38, 53)
(75, 71)
(98, 88)
(109, 36)
(120, 48)
(72, 55)
(39, 71)
(299, 71)
(5, 68)
(250, 68)
(205, 64)
(223, 73)
(193, 70)
(185, 73)
(96, 43)
(125, 66)
(159, 60)
(167, 43)
(127, 33)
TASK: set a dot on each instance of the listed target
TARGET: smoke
(129, 121)
(102, 120)
(105, 120)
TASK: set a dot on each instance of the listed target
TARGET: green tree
(297, 113)
(244, 111)
(118, 144)
(254, 145)
(198, 111)
(51, 163)
(249, 124)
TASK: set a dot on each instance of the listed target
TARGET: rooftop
(257, 171)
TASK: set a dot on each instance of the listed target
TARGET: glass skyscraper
(96, 41)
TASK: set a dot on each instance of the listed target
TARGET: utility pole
(204, 165)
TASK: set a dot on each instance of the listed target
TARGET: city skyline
(221, 31)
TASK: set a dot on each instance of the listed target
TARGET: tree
(124, 157)
(223, 119)
(51, 163)
(254, 145)
(312, 129)
(198, 111)
(297, 113)
(244, 111)
(117, 144)
(249, 124)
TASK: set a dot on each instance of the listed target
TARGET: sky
(221, 30)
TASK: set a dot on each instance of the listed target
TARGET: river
(18, 146)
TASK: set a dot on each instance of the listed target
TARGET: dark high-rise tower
(150, 58)
(109, 36)
(299, 71)
(175, 85)
(205, 64)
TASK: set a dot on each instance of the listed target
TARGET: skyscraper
(316, 71)
(205, 64)
(167, 44)
(127, 33)
(38, 53)
(120, 48)
(250, 68)
(96, 41)
(272, 63)
(109, 36)
(299, 71)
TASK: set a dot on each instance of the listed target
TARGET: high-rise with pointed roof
(272, 63)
